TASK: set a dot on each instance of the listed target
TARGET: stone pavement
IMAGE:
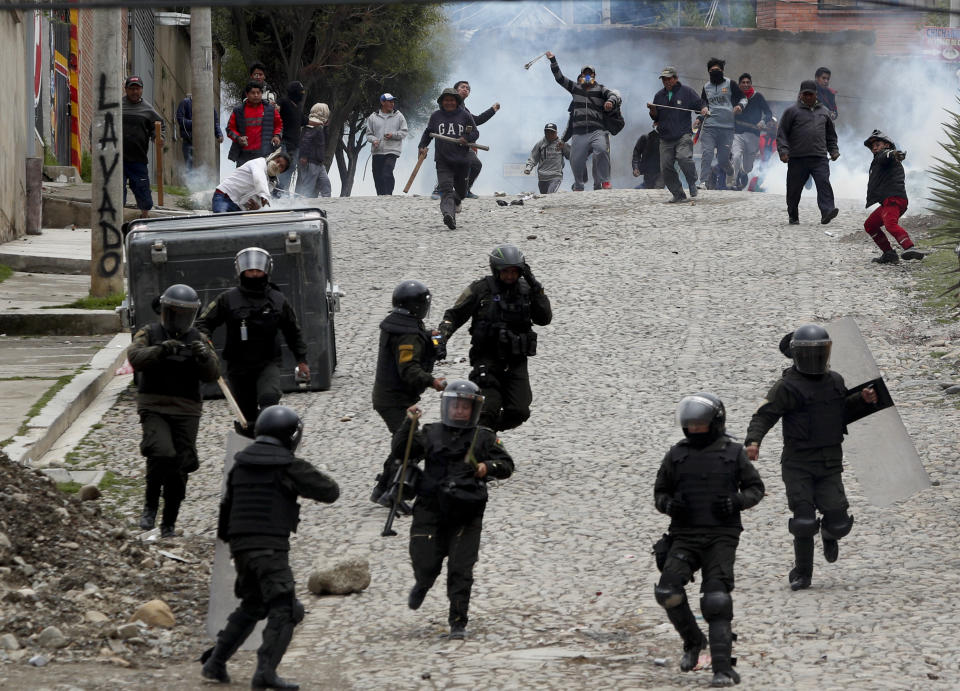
(651, 302)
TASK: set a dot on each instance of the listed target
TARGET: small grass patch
(936, 275)
(69, 487)
(42, 401)
(937, 353)
(93, 303)
(174, 190)
(5, 272)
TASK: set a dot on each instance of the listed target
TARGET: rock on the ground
(89, 493)
(6, 548)
(52, 637)
(155, 613)
(9, 642)
(128, 631)
(350, 575)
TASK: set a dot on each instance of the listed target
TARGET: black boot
(693, 639)
(276, 638)
(148, 519)
(239, 626)
(802, 572)
(721, 649)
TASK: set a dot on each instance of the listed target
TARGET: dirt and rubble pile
(67, 569)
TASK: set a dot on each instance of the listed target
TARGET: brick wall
(87, 57)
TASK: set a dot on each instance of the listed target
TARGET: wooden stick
(453, 140)
(416, 169)
(158, 140)
(232, 402)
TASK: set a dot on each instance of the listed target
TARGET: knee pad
(482, 377)
(836, 524)
(299, 612)
(803, 526)
(669, 594)
(256, 613)
(716, 605)
(284, 608)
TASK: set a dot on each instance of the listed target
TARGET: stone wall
(13, 134)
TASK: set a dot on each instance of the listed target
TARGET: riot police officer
(257, 515)
(404, 364)
(253, 313)
(703, 484)
(452, 495)
(814, 404)
(504, 306)
(171, 359)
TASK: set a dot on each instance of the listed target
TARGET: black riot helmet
(412, 297)
(702, 409)
(278, 424)
(504, 256)
(457, 395)
(810, 349)
(178, 308)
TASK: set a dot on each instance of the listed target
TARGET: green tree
(346, 56)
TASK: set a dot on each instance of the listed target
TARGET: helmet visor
(254, 258)
(695, 410)
(460, 409)
(811, 357)
(176, 317)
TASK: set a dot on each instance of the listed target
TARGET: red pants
(887, 216)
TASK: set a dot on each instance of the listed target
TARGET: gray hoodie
(549, 158)
(379, 124)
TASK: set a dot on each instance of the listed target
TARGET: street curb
(59, 322)
(45, 265)
(44, 429)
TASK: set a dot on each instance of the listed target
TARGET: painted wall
(13, 133)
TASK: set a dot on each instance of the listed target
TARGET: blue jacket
(185, 120)
(673, 124)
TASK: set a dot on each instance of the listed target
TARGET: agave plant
(945, 193)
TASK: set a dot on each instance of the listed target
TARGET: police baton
(232, 402)
(388, 530)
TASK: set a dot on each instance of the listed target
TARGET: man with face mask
(171, 358)
(815, 404)
(504, 307)
(451, 495)
(291, 114)
(703, 484)
(591, 101)
(805, 139)
(254, 312)
(250, 186)
(722, 100)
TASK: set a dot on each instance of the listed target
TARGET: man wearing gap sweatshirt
(452, 159)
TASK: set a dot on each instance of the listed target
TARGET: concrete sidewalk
(54, 361)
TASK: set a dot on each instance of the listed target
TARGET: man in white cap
(386, 130)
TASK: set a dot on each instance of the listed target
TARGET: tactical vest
(702, 477)
(445, 452)
(262, 503)
(721, 107)
(261, 316)
(502, 323)
(819, 420)
(174, 375)
(266, 130)
(388, 375)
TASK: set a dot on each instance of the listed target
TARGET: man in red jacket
(255, 127)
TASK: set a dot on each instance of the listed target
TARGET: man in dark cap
(806, 137)
(547, 156)
(676, 137)
(138, 131)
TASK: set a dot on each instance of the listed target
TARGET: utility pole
(206, 159)
(106, 193)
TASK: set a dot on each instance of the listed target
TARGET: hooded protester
(887, 187)
(255, 126)
(747, 127)
(591, 110)
(291, 113)
(250, 186)
(452, 159)
(805, 139)
(646, 160)
(185, 124)
(312, 180)
(386, 130)
(722, 101)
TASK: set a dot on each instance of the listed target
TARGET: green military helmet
(504, 256)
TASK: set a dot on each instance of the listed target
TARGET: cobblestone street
(651, 302)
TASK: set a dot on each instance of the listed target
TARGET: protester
(312, 180)
(452, 159)
(547, 157)
(255, 127)
(591, 101)
(386, 130)
(463, 88)
(138, 131)
(258, 73)
(805, 139)
(250, 186)
(676, 139)
(722, 101)
(291, 114)
(826, 95)
(646, 160)
(887, 187)
(747, 128)
(185, 122)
